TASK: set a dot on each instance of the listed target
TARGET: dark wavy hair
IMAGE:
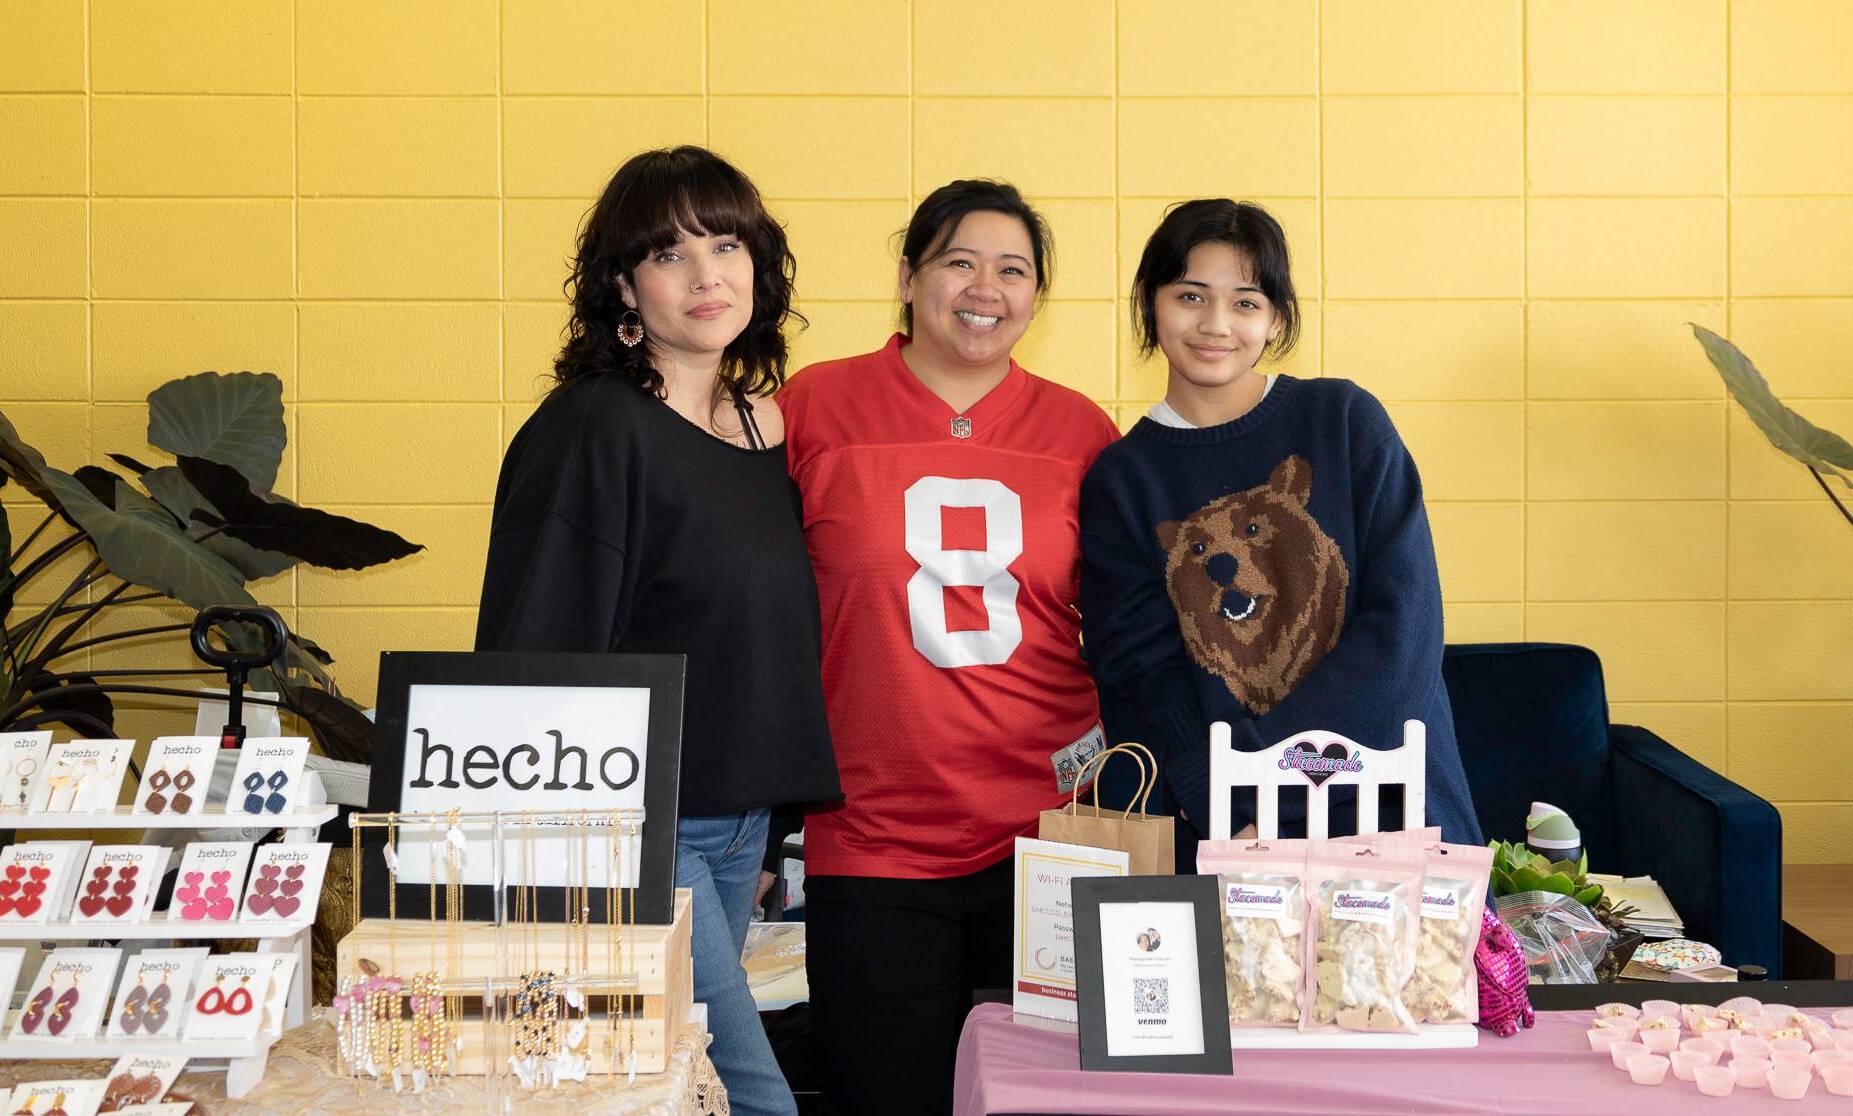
(1244, 226)
(653, 200)
(929, 231)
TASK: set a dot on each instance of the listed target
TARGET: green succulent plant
(1517, 869)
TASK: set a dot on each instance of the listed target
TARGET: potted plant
(1517, 870)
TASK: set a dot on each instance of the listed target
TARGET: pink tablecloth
(1006, 1066)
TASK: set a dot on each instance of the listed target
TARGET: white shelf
(1429, 1036)
(102, 1046)
(154, 929)
(123, 817)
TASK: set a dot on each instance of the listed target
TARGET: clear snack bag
(1445, 988)
(1263, 914)
(1360, 936)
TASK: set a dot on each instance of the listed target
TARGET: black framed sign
(516, 733)
(1149, 975)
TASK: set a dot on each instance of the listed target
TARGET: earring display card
(286, 882)
(140, 1079)
(118, 882)
(152, 997)
(176, 775)
(228, 996)
(11, 958)
(82, 777)
(268, 773)
(166, 1108)
(74, 1098)
(67, 998)
(22, 758)
(276, 998)
(210, 879)
(37, 879)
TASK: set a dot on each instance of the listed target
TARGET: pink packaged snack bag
(1445, 988)
(1420, 838)
(1364, 902)
(1264, 913)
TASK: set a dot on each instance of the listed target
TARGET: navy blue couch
(1533, 724)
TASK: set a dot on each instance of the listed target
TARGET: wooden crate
(660, 955)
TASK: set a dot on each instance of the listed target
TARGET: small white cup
(1647, 1069)
(1715, 1081)
(1788, 1083)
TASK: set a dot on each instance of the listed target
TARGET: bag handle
(1146, 781)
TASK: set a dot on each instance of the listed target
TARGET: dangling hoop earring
(630, 329)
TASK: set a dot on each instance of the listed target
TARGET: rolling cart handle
(237, 664)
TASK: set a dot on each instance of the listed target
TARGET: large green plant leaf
(178, 495)
(234, 419)
(21, 462)
(140, 550)
(340, 727)
(6, 577)
(317, 537)
(1787, 431)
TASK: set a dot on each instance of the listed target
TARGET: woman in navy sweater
(1256, 550)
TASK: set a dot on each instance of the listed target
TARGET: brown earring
(630, 329)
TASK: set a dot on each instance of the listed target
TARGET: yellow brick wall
(1502, 214)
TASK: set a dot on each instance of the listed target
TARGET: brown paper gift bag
(1146, 839)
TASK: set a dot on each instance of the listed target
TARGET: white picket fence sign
(1319, 761)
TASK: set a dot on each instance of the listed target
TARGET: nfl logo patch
(961, 427)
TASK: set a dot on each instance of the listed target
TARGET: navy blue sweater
(1275, 572)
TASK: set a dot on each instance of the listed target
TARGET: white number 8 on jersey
(940, 568)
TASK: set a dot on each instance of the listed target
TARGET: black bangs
(681, 194)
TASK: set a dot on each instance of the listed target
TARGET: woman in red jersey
(940, 484)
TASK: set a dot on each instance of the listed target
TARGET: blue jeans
(718, 858)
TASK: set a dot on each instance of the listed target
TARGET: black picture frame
(653, 898)
(1090, 893)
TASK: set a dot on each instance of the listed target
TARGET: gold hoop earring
(630, 329)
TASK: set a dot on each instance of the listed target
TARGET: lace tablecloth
(301, 1079)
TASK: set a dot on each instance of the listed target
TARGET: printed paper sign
(1043, 980)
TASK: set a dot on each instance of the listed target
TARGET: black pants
(893, 964)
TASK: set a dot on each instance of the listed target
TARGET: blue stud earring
(253, 801)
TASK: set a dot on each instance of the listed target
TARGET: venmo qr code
(1151, 995)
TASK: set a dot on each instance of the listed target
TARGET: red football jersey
(948, 563)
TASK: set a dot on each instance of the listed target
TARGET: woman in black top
(645, 507)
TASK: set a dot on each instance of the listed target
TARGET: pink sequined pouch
(1505, 998)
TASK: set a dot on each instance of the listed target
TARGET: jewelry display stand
(243, 1059)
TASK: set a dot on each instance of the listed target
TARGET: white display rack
(1428, 1036)
(244, 1059)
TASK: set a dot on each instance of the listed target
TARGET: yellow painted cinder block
(1071, 343)
(1792, 145)
(1626, 248)
(43, 49)
(1420, 46)
(138, 346)
(353, 351)
(650, 47)
(356, 636)
(1815, 832)
(1083, 231)
(842, 329)
(192, 146)
(396, 146)
(1651, 650)
(1621, 350)
(1483, 623)
(1791, 46)
(45, 351)
(1073, 56)
(532, 333)
(513, 417)
(1625, 145)
(1804, 347)
(449, 571)
(1791, 650)
(539, 241)
(1478, 548)
(1423, 146)
(123, 428)
(1791, 550)
(1145, 377)
(1759, 471)
(1465, 451)
(162, 650)
(1648, 46)
(42, 248)
(1429, 350)
(1250, 147)
(569, 147)
(168, 249)
(1278, 44)
(1056, 148)
(855, 147)
(1694, 727)
(409, 46)
(1635, 550)
(440, 453)
(1791, 246)
(845, 250)
(1625, 451)
(863, 52)
(397, 249)
(190, 46)
(42, 145)
(1298, 217)
(1793, 749)
(1420, 248)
